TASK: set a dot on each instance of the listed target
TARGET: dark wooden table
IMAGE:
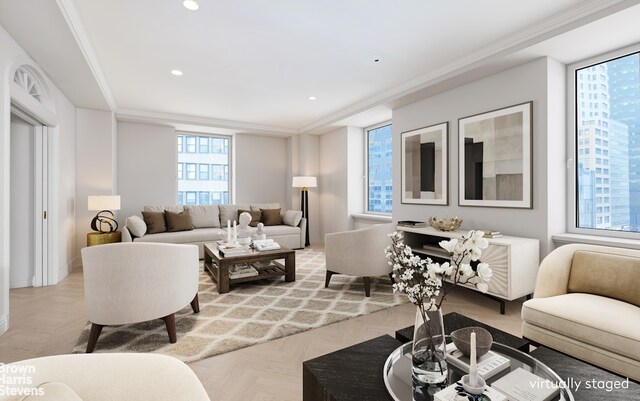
(454, 321)
(355, 373)
(218, 265)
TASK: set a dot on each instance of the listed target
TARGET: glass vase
(429, 368)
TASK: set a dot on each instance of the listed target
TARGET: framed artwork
(495, 158)
(425, 165)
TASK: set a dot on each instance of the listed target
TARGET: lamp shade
(104, 202)
(305, 182)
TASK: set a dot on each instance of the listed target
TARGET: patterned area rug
(252, 313)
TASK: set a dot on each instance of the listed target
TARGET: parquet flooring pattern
(46, 321)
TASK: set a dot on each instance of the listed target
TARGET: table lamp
(104, 204)
(304, 183)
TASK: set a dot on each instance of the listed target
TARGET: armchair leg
(328, 278)
(96, 329)
(367, 286)
(195, 304)
(170, 322)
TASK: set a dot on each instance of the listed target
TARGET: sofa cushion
(255, 216)
(292, 217)
(155, 222)
(136, 225)
(613, 276)
(174, 208)
(185, 237)
(178, 221)
(274, 231)
(204, 216)
(53, 391)
(600, 321)
(271, 217)
(258, 206)
(230, 213)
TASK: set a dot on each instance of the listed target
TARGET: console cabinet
(514, 260)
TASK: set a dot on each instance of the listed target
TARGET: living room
(264, 97)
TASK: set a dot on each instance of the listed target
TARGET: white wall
(261, 169)
(333, 182)
(538, 81)
(147, 167)
(12, 55)
(95, 171)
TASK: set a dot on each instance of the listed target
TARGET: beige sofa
(587, 304)
(104, 377)
(210, 224)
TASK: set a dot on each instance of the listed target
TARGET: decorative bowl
(462, 339)
(445, 223)
(244, 240)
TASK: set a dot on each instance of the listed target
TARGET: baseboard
(68, 268)
(4, 324)
(20, 284)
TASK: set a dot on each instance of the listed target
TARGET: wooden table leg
(207, 259)
(223, 277)
(290, 267)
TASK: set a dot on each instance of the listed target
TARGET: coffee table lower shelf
(276, 271)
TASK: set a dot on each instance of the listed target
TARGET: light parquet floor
(47, 321)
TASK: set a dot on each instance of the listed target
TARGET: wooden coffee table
(218, 265)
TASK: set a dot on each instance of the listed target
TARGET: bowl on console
(445, 223)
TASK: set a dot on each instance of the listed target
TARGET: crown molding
(71, 15)
(579, 15)
(153, 117)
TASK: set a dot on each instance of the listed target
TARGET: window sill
(568, 238)
(372, 217)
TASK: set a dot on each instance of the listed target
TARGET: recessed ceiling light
(191, 5)
(312, 98)
(177, 73)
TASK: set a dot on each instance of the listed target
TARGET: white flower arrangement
(425, 282)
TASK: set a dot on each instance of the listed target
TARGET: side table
(98, 238)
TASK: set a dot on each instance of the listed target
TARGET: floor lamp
(304, 183)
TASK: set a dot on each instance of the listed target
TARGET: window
(203, 169)
(618, 211)
(379, 150)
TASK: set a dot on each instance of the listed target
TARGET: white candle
(228, 231)
(473, 368)
(235, 232)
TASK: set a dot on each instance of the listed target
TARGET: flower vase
(429, 368)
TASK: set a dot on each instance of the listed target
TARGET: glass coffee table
(400, 387)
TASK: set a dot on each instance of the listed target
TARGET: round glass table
(400, 390)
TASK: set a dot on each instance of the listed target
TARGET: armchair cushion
(53, 391)
(613, 276)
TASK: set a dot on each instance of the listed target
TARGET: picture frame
(425, 165)
(495, 150)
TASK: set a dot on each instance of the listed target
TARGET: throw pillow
(178, 221)
(255, 216)
(292, 217)
(53, 391)
(154, 221)
(204, 216)
(136, 226)
(258, 206)
(228, 213)
(271, 217)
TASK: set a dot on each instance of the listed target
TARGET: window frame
(572, 148)
(366, 167)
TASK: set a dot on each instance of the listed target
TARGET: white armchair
(128, 283)
(358, 253)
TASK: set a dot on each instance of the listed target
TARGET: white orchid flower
(476, 238)
(449, 246)
(484, 271)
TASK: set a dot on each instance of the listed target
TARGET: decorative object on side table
(304, 183)
(423, 281)
(445, 223)
(104, 221)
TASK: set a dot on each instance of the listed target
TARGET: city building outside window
(203, 169)
(379, 150)
(607, 144)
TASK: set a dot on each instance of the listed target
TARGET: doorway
(28, 198)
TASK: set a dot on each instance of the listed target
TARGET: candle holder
(479, 389)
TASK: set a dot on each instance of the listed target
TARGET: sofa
(102, 377)
(587, 304)
(209, 224)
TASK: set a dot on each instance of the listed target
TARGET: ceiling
(251, 65)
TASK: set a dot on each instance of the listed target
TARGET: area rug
(252, 313)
